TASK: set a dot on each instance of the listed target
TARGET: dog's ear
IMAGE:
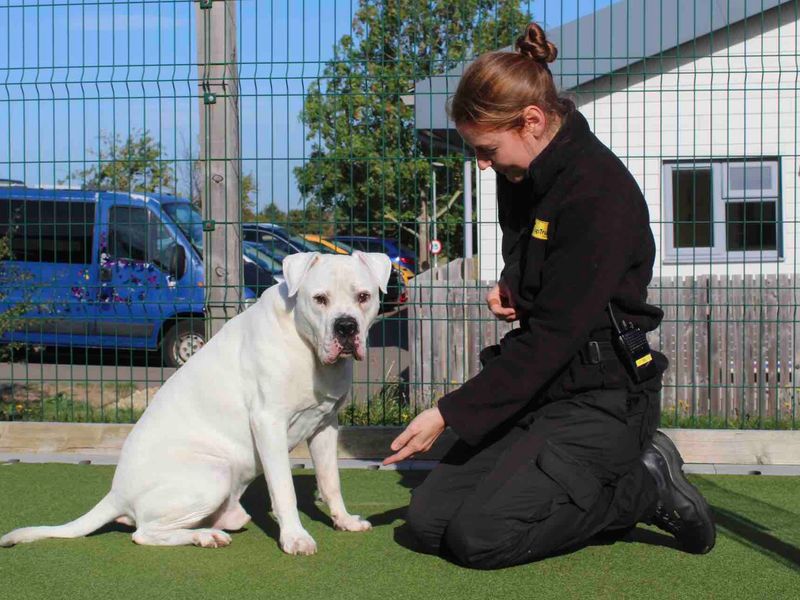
(295, 267)
(378, 264)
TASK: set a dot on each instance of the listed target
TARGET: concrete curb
(8, 459)
(101, 444)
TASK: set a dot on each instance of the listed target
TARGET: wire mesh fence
(158, 159)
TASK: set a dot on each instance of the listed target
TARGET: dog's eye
(321, 299)
(363, 297)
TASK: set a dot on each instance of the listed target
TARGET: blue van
(102, 269)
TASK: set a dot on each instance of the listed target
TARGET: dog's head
(336, 299)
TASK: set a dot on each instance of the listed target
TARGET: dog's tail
(104, 512)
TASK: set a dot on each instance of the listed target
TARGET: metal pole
(433, 218)
(219, 152)
(467, 209)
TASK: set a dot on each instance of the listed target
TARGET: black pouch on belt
(633, 350)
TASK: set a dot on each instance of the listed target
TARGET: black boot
(681, 510)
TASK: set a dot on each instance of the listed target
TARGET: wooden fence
(731, 341)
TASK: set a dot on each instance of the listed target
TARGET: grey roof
(615, 37)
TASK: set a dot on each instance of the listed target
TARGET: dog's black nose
(345, 327)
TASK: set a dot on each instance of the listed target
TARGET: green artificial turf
(757, 553)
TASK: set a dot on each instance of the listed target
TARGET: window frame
(720, 195)
(152, 252)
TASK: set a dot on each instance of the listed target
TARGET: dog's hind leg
(207, 538)
(178, 513)
(232, 519)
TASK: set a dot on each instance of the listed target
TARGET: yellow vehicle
(341, 248)
(318, 239)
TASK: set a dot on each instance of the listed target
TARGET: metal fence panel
(136, 134)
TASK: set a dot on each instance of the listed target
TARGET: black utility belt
(594, 353)
(638, 361)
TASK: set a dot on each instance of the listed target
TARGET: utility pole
(423, 227)
(434, 216)
(468, 208)
(219, 155)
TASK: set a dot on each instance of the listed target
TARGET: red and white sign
(435, 247)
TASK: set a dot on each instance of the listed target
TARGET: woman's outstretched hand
(419, 436)
(500, 303)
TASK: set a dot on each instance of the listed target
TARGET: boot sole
(674, 464)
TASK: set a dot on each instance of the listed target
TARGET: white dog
(272, 377)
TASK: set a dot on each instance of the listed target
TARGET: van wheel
(181, 341)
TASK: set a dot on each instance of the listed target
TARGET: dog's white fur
(272, 377)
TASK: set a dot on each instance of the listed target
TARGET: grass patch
(756, 556)
(62, 408)
(121, 389)
(389, 406)
(670, 419)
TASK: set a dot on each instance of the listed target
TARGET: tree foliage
(132, 165)
(12, 317)
(310, 219)
(365, 158)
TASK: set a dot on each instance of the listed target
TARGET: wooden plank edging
(708, 446)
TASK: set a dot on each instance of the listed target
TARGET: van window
(137, 234)
(47, 230)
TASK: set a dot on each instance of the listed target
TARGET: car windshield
(298, 242)
(309, 245)
(346, 247)
(189, 219)
(255, 253)
(313, 246)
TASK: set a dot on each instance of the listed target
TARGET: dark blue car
(278, 242)
(398, 254)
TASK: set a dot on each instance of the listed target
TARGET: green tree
(133, 165)
(249, 191)
(310, 219)
(272, 214)
(365, 158)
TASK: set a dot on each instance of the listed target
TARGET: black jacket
(576, 235)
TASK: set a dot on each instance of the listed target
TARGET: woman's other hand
(419, 436)
(500, 303)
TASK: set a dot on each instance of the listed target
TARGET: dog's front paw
(298, 543)
(351, 523)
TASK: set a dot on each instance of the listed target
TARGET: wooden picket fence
(732, 344)
(731, 341)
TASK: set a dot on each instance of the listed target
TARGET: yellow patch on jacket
(540, 229)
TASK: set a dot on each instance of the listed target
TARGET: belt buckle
(594, 353)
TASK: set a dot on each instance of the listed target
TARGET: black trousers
(547, 484)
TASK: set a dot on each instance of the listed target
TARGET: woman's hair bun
(535, 45)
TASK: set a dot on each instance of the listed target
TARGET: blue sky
(72, 70)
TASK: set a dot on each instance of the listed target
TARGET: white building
(699, 99)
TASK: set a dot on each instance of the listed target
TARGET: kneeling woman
(557, 433)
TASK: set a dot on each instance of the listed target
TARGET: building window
(725, 211)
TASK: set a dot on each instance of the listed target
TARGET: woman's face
(508, 151)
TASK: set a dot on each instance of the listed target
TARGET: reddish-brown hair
(496, 88)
